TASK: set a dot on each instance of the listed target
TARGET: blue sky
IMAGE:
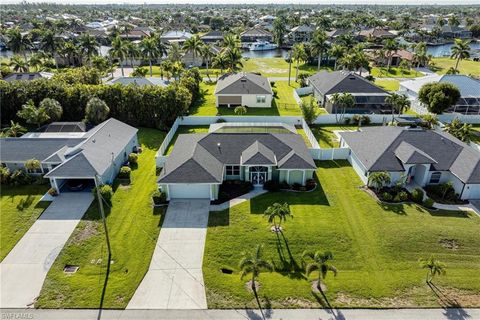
(417, 2)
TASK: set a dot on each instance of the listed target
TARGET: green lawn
(275, 67)
(19, 208)
(133, 226)
(389, 85)
(376, 249)
(382, 72)
(285, 102)
(206, 106)
(184, 130)
(465, 66)
(325, 134)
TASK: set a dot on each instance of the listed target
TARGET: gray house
(421, 157)
(199, 163)
(68, 154)
(243, 89)
(369, 98)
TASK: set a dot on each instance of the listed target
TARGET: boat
(262, 46)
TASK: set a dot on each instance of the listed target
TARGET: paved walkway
(174, 279)
(24, 269)
(242, 314)
(244, 197)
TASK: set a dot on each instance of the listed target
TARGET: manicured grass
(465, 66)
(304, 136)
(375, 247)
(206, 106)
(275, 67)
(389, 85)
(184, 130)
(383, 72)
(285, 102)
(325, 134)
(19, 208)
(306, 99)
(133, 226)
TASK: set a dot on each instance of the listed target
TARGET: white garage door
(189, 191)
(473, 191)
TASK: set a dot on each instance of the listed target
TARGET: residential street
(24, 269)
(174, 279)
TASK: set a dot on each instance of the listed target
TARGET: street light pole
(100, 204)
(289, 66)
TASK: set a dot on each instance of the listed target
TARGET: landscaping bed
(444, 193)
(231, 189)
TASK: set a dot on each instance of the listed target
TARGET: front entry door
(258, 175)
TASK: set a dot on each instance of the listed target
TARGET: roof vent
(243, 80)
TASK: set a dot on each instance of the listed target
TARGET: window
(39, 170)
(233, 170)
(261, 99)
(435, 178)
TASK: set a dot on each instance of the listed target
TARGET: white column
(168, 192)
(247, 174)
(269, 177)
(303, 178)
(288, 176)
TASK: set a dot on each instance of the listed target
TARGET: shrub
(221, 120)
(106, 192)
(96, 111)
(271, 186)
(52, 192)
(403, 196)
(20, 177)
(272, 84)
(387, 197)
(396, 198)
(310, 185)
(124, 172)
(296, 186)
(159, 197)
(428, 203)
(347, 120)
(4, 175)
(275, 93)
(417, 195)
(284, 185)
(133, 158)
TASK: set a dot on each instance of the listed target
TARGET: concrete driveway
(24, 269)
(174, 279)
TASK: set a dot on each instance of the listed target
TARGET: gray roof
(65, 127)
(468, 86)
(139, 81)
(342, 81)
(23, 149)
(389, 148)
(200, 158)
(26, 76)
(243, 83)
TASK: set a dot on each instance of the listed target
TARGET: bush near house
(230, 189)
(417, 195)
(106, 192)
(133, 158)
(394, 194)
(159, 197)
(124, 172)
(444, 193)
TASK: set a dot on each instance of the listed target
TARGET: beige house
(243, 89)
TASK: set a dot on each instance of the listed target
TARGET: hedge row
(148, 106)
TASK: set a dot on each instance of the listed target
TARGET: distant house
(469, 102)
(243, 89)
(299, 34)
(415, 156)
(335, 33)
(27, 76)
(397, 57)
(212, 36)
(139, 81)
(455, 32)
(70, 155)
(199, 163)
(375, 33)
(187, 57)
(137, 33)
(369, 98)
(256, 34)
(175, 36)
(267, 18)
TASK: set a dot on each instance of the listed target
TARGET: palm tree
(118, 51)
(162, 51)
(398, 102)
(277, 211)
(390, 46)
(220, 62)
(194, 44)
(18, 64)
(33, 115)
(70, 52)
(337, 51)
(231, 41)
(233, 59)
(434, 266)
(343, 101)
(149, 50)
(167, 66)
(319, 261)
(379, 179)
(254, 264)
(207, 54)
(175, 52)
(240, 110)
(36, 61)
(460, 51)
(319, 46)
(430, 120)
(49, 44)
(279, 29)
(17, 42)
(14, 130)
(298, 54)
(133, 52)
(88, 47)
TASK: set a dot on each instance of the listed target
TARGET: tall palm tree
(398, 102)
(17, 42)
(133, 52)
(194, 45)
(231, 41)
(277, 211)
(254, 264)
(88, 47)
(36, 61)
(434, 266)
(149, 50)
(319, 261)
(233, 59)
(175, 52)
(279, 29)
(162, 51)
(298, 54)
(342, 101)
(70, 52)
(319, 45)
(220, 62)
(390, 46)
(49, 44)
(337, 51)
(460, 51)
(118, 51)
(18, 64)
(207, 54)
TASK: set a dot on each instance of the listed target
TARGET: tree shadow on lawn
(453, 309)
(219, 218)
(200, 101)
(395, 208)
(288, 265)
(450, 214)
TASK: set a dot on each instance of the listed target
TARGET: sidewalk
(244, 197)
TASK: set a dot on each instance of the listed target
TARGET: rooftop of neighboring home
(86, 155)
(336, 33)
(376, 33)
(388, 148)
(27, 76)
(176, 34)
(139, 81)
(213, 35)
(468, 86)
(200, 158)
(243, 83)
(255, 32)
(302, 28)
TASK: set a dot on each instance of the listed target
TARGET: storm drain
(226, 270)
(70, 269)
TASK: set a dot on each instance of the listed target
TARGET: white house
(419, 156)
(243, 89)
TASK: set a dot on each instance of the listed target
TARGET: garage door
(230, 100)
(189, 191)
(473, 191)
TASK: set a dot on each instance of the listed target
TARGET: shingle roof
(468, 86)
(139, 81)
(199, 158)
(384, 149)
(26, 76)
(243, 83)
(342, 81)
(23, 149)
(255, 32)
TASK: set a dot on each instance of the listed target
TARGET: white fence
(448, 117)
(299, 92)
(160, 157)
(330, 154)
